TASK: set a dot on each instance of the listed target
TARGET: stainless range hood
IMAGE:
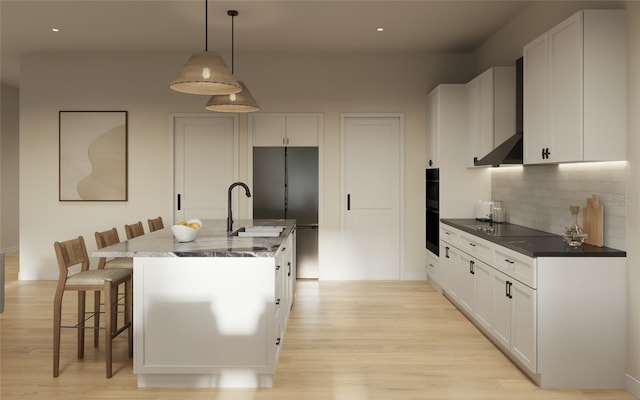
(511, 150)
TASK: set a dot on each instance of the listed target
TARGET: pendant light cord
(232, 41)
(232, 14)
(206, 25)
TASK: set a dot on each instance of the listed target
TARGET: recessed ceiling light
(380, 29)
(55, 30)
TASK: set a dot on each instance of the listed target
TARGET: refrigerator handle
(179, 202)
(348, 202)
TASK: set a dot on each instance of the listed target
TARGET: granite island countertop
(213, 240)
(530, 242)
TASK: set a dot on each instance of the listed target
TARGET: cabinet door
(433, 145)
(480, 114)
(450, 271)
(268, 130)
(433, 269)
(473, 121)
(501, 322)
(285, 130)
(302, 130)
(536, 98)
(523, 324)
(566, 90)
(483, 302)
(466, 292)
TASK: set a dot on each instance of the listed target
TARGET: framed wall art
(93, 155)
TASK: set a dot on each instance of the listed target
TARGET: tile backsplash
(539, 196)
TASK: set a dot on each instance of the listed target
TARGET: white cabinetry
(575, 90)
(491, 111)
(276, 130)
(434, 272)
(560, 319)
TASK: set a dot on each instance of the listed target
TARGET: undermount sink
(258, 231)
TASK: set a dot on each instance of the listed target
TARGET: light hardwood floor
(345, 340)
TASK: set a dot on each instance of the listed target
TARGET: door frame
(236, 140)
(343, 197)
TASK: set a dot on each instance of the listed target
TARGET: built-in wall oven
(433, 210)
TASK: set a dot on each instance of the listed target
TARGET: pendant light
(235, 102)
(205, 72)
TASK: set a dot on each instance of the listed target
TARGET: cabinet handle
(509, 284)
(509, 261)
(431, 265)
(446, 251)
(277, 302)
(289, 272)
(179, 201)
(471, 267)
(472, 244)
(278, 342)
(431, 163)
(506, 288)
(542, 153)
(348, 202)
(277, 268)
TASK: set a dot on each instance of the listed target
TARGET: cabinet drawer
(478, 248)
(516, 265)
(449, 235)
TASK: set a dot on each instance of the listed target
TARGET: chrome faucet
(229, 214)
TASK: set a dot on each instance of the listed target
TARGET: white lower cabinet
(433, 269)
(560, 319)
(466, 293)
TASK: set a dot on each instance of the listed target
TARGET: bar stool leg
(96, 318)
(108, 329)
(57, 318)
(81, 322)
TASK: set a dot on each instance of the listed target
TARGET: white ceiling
(292, 26)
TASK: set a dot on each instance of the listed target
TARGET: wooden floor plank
(345, 340)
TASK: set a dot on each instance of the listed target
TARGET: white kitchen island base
(209, 313)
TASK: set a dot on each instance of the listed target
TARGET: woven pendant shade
(205, 73)
(239, 102)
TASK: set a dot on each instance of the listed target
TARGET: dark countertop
(531, 242)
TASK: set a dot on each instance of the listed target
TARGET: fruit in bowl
(186, 231)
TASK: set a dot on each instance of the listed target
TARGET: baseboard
(38, 276)
(633, 385)
(8, 250)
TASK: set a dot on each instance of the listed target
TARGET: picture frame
(93, 155)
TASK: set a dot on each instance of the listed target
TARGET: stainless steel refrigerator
(285, 186)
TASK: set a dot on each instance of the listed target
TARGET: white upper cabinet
(575, 90)
(491, 108)
(293, 130)
(433, 131)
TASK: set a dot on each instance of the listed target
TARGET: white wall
(139, 84)
(9, 167)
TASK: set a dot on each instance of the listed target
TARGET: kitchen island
(211, 312)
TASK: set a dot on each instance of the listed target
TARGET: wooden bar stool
(108, 238)
(74, 252)
(134, 230)
(104, 239)
(155, 224)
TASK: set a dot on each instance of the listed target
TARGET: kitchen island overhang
(212, 312)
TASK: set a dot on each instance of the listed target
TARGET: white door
(206, 163)
(372, 192)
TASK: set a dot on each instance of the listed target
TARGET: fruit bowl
(186, 231)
